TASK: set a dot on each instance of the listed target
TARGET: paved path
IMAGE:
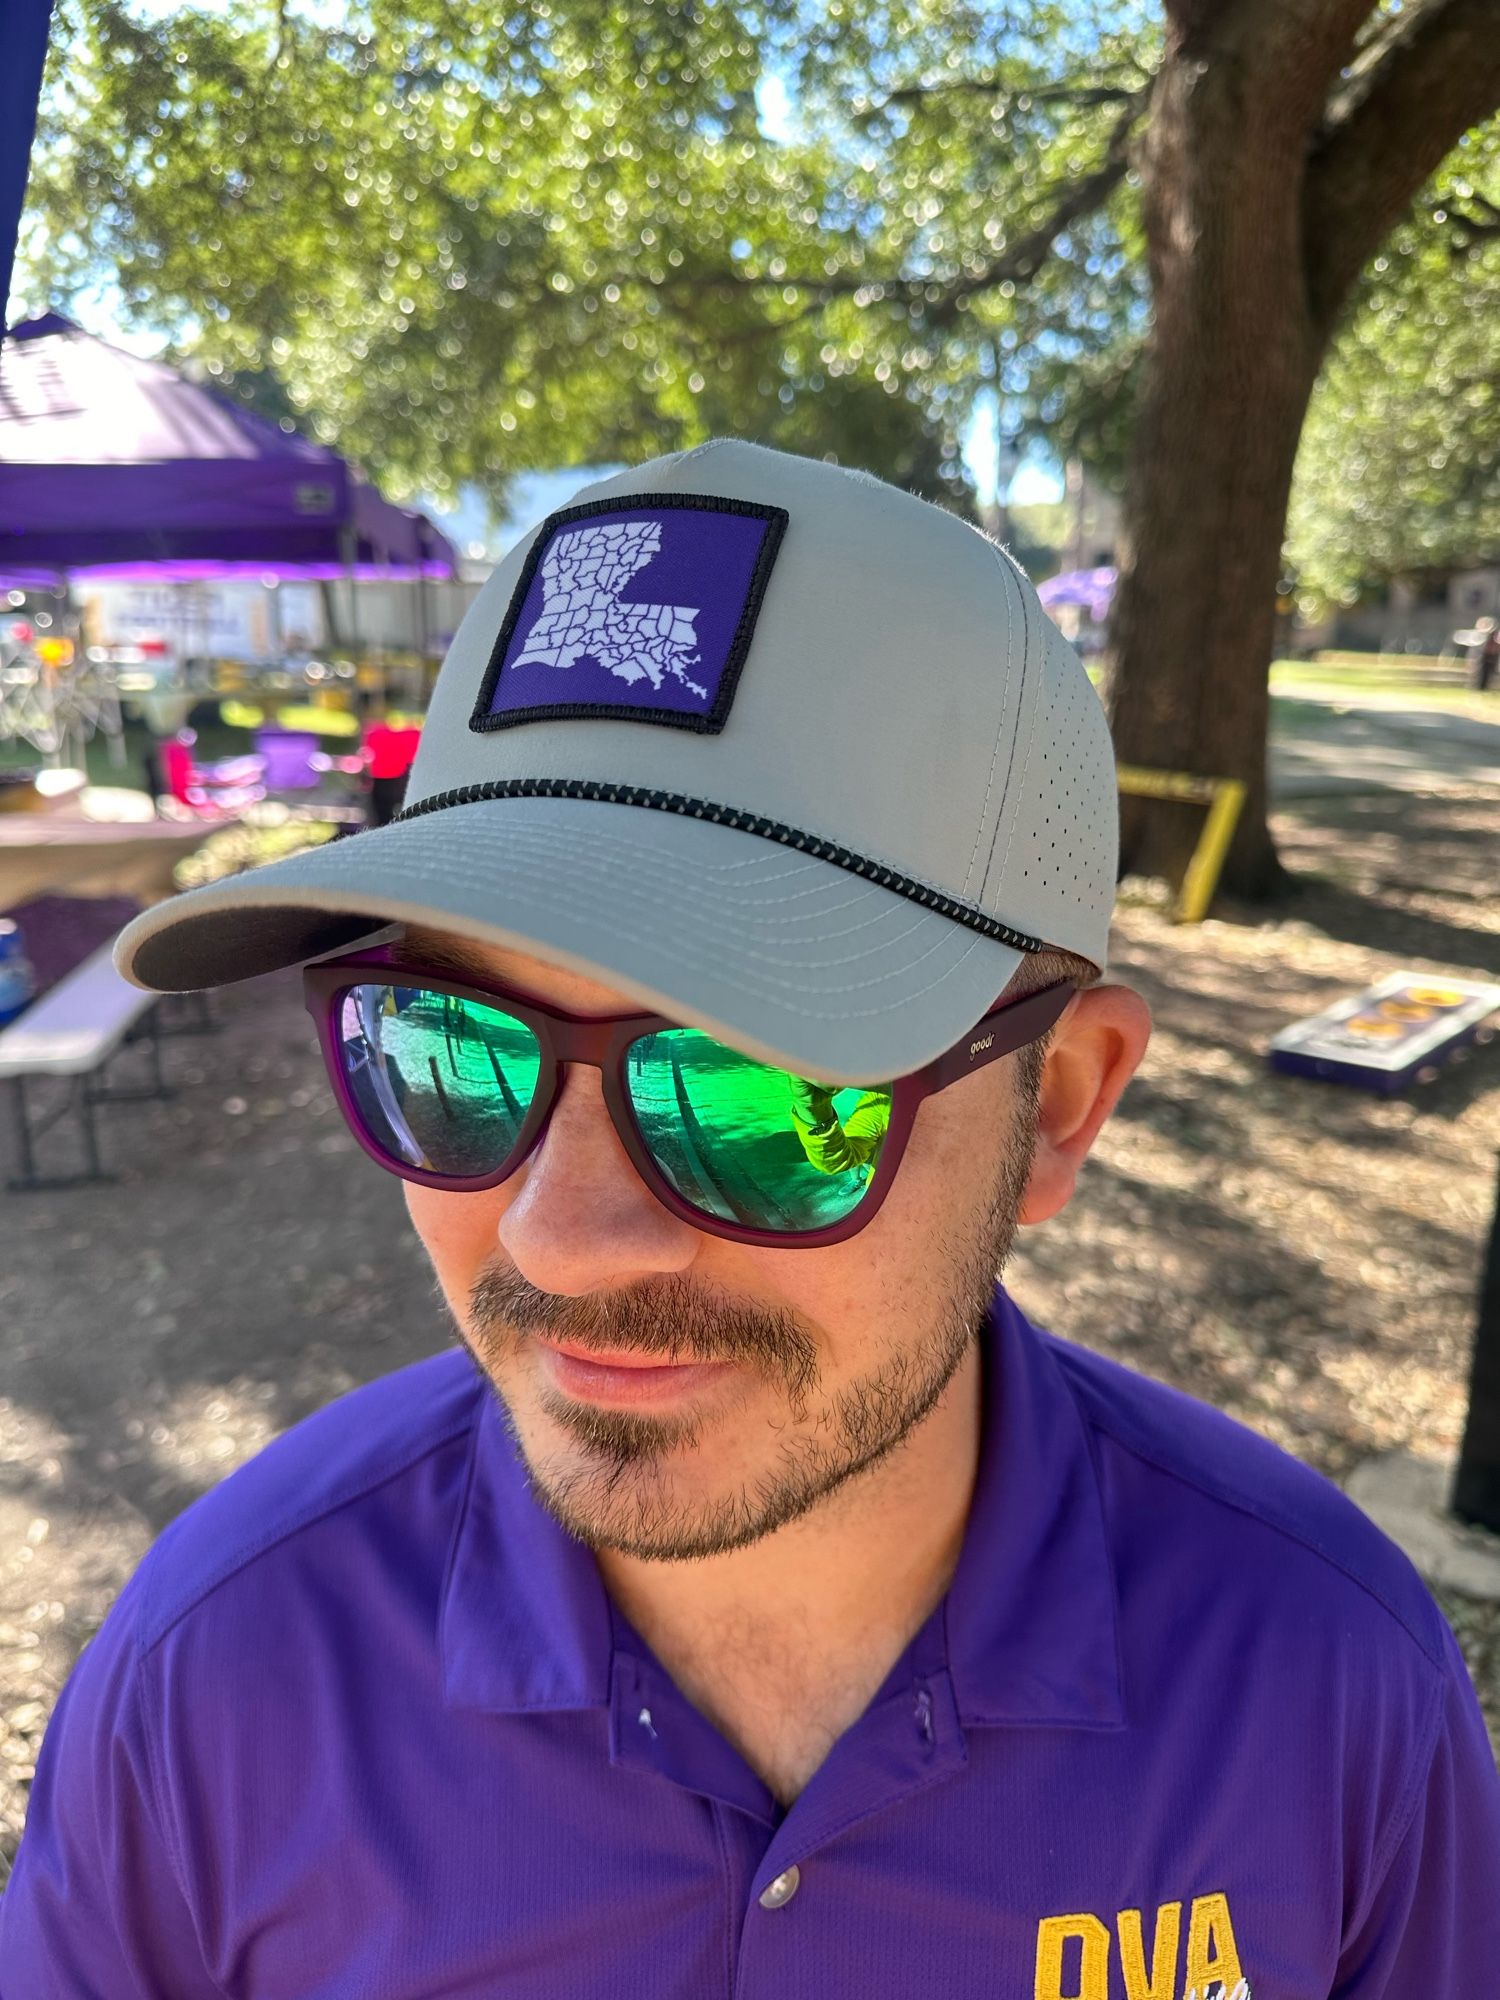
(1353, 746)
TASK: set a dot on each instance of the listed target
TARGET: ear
(1094, 1051)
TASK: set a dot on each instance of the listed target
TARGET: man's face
(809, 1364)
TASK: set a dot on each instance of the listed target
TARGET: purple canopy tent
(1091, 589)
(20, 84)
(109, 460)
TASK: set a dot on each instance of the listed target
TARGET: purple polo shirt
(364, 1726)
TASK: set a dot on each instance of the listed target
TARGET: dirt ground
(1306, 1257)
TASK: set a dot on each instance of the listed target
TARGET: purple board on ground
(1390, 1035)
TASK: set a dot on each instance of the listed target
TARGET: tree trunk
(1228, 370)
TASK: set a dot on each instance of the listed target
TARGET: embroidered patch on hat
(640, 608)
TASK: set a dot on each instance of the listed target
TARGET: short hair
(1036, 970)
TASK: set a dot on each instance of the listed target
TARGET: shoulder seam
(1402, 1820)
(167, 1821)
(1241, 1505)
(260, 1548)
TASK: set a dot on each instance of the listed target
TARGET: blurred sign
(218, 621)
(1390, 1035)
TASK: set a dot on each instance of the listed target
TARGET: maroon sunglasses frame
(603, 1041)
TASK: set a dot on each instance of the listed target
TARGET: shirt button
(777, 1894)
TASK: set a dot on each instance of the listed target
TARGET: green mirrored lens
(438, 1082)
(749, 1143)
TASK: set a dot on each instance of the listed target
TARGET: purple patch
(638, 608)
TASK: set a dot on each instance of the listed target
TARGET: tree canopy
(476, 239)
(1399, 467)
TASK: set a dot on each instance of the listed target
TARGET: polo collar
(525, 1620)
(1031, 1611)
(1028, 1625)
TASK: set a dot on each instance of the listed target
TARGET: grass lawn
(1420, 683)
(1386, 682)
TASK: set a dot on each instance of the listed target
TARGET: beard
(615, 1485)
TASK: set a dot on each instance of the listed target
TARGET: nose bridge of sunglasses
(594, 1042)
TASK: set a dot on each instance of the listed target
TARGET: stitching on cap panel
(731, 939)
(677, 870)
(749, 899)
(839, 1013)
(683, 878)
(664, 863)
(1031, 735)
(770, 921)
(767, 829)
(419, 874)
(1010, 655)
(699, 450)
(1030, 738)
(1014, 579)
(599, 920)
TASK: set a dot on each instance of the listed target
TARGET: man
(1488, 655)
(390, 745)
(834, 1137)
(752, 1603)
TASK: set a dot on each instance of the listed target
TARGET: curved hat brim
(795, 959)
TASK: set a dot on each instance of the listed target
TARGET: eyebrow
(442, 954)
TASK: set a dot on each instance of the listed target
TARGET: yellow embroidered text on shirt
(1075, 1956)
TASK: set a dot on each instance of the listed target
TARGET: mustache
(664, 1316)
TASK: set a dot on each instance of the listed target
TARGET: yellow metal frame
(1224, 797)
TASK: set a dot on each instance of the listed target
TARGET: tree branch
(994, 86)
(1476, 224)
(1022, 260)
(941, 300)
(1412, 95)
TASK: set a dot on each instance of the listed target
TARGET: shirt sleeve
(833, 1144)
(93, 1910)
(1433, 1924)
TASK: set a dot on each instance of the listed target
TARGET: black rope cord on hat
(768, 829)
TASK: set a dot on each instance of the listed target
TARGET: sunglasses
(450, 1083)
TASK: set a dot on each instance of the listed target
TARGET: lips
(625, 1378)
(614, 1357)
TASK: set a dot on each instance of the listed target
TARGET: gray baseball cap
(768, 746)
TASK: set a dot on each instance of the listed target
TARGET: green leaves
(474, 239)
(470, 238)
(1399, 468)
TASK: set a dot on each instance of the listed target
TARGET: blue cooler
(17, 974)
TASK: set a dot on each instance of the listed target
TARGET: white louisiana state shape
(583, 574)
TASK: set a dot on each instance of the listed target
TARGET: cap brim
(794, 959)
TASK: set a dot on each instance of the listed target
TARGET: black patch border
(712, 721)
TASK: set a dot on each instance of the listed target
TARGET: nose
(582, 1219)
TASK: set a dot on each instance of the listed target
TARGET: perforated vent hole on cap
(1059, 859)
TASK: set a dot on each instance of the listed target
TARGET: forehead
(468, 958)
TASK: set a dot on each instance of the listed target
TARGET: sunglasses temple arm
(999, 1034)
